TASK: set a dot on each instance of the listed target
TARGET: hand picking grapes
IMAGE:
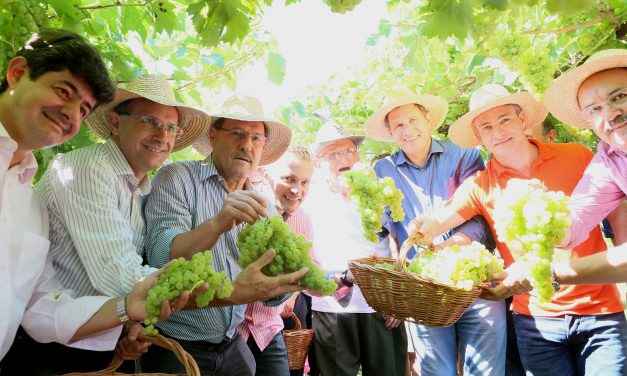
(292, 252)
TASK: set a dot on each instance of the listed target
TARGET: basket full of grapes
(434, 289)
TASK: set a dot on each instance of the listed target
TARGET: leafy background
(443, 47)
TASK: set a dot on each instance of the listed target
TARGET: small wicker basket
(191, 368)
(408, 296)
(297, 342)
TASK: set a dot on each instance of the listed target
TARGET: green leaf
(237, 26)
(68, 9)
(276, 68)
(568, 6)
(495, 4)
(165, 17)
(448, 18)
(133, 20)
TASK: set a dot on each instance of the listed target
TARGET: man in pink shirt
(594, 95)
(288, 181)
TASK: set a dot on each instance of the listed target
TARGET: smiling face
(235, 152)
(501, 129)
(409, 128)
(289, 177)
(47, 111)
(144, 148)
(604, 94)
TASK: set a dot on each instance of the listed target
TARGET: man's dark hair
(55, 50)
(547, 126)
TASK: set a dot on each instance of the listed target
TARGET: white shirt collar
(26, 169)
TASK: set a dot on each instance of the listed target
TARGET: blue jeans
(480, 334)
(272, 361)
(572, 345)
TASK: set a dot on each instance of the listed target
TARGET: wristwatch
(121, 310)
(344, 280)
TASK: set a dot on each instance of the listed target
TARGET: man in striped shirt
(288, 179)
(200, 205)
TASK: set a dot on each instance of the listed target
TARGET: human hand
(241, 206)
(129, 347)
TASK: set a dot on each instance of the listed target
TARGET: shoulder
(456, 150)
(573, 151)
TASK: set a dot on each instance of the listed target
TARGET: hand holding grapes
(424, 227)
(515, 278)
(240, 206)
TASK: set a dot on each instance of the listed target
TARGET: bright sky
(315, 42)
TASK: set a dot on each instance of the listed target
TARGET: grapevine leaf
(276, 68)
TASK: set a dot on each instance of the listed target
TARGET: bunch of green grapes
(22, 18)
(184, 275)
(531, 221)
(537, 68)
(372, 196)
(292, 252)
(461, 266)
(342, 6)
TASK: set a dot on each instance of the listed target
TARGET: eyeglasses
(156, 125)
(337, 155)
(595, 111)
(242, 135)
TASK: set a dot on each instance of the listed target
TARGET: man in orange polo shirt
(583, 329)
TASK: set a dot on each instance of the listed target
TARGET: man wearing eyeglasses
(348, 336)
(94, 196)
(201, 205)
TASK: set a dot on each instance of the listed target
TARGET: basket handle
(297, 324)
(191, 368)
(413, 239)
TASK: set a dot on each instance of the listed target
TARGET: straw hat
(488, 97)
(331, 132)
(437, 108)
(561, 97)
(157, 89)
(248, 108)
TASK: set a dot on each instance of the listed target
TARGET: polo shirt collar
(436, 147)
(544, 153)
(26, 169)
(609, 149)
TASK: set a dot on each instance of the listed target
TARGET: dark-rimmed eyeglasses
(241, 135)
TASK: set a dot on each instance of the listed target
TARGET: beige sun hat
(248, 108)
(331, 132)
(488, 97)
(561, 97)
(157, 89)
(437, 108)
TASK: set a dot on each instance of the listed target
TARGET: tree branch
(116, 3)
(566, 28)
(232, 65)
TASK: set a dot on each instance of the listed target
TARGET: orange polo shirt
(559, 167)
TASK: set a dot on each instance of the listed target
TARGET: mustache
(618, 120)
(243, 155)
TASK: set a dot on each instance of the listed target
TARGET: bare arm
(603, 267)
(618, 222)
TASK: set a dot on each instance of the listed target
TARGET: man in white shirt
(350, 336)
(50, 86)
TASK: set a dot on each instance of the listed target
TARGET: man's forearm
(604, 267)
(105, 318)
(202, 238)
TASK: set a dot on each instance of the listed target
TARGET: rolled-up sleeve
(167, 213)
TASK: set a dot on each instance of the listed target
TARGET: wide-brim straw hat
(436, 107)
(486, 98)
(331, 132)
(561, 97)
(248, 108)
(157, 89)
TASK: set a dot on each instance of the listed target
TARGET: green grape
(372, 195)
(292, 252)
(184, 275)
(342, 6)
(461, 266)
(531, 221)
(384, 265)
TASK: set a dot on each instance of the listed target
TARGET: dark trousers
(513, 365)
(346, 341)
(29, 357)
(229, 358)
(272, 361)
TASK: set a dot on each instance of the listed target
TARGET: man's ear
(18, 68)
(212, 136)
(523, 118)
(114, 123)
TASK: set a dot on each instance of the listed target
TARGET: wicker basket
(191, 368)
(408, 296)
(297, 342)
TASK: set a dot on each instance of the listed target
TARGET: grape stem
(116, 3)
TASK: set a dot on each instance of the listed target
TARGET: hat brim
(561, 97)
(317, 147)
(437, 107)
(462, 133)
(279, 138)
(194, 121)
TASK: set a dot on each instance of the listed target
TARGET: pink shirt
(264, 323)
(601, 189)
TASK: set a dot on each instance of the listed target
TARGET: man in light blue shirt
(203, 205)
(428, 171)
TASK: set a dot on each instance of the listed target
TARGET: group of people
(85, 244)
